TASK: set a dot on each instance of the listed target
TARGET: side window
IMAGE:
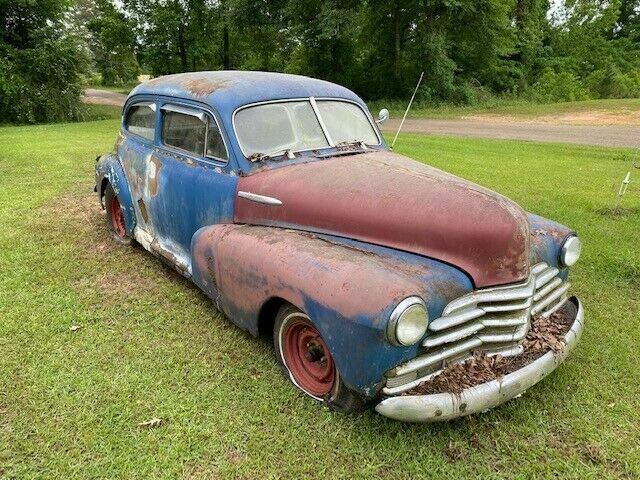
(141, 120)
(183, 131)
(215, 144)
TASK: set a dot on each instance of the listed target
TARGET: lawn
(590, 112)
(147, 344)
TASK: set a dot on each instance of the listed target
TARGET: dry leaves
(153, 423)
(545, 334)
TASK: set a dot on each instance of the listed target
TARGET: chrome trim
(397, 313)
(191, 111)
(304, 99)
(314, 106)
(447, 406)
(254, 197)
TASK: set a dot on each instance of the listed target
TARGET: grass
(151, 345)
(521, 109)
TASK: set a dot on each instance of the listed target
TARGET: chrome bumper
(447, 406)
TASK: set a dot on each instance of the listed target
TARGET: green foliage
(559, 87)
(41, 71)
(113, 42)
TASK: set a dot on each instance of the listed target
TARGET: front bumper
(447, 406)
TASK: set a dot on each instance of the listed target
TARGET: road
(603, 135)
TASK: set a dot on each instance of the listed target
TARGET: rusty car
(375, 275)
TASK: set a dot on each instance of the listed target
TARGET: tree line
(470, 50)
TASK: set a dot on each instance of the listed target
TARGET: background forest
(470, 50)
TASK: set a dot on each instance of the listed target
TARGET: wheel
(306, 360)
(115, 217)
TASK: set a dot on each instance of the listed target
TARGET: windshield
(274, 128)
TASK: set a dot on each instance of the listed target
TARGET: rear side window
(141, 120)
(193, 131)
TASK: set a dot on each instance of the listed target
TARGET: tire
(115, 217)
(304, 359)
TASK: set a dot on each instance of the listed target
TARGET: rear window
(141, 120)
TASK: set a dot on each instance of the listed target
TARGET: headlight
(570, 252)
(408, 322)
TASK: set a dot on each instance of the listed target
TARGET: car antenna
(407, 110)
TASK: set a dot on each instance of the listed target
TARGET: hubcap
(117, 217)
(307, 357)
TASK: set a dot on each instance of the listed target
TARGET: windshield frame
(312, 101)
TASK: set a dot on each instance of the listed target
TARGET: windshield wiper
(258, 157)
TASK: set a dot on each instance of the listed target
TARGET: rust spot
(201, 87)
(143, 210)
(154, 179)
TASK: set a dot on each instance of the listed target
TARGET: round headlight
(408, 322)
(570, 252)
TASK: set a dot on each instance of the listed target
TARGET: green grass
(513, 108)
(151, 345)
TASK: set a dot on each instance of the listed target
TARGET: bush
(42, 83)
(613, 83)
(559, 87)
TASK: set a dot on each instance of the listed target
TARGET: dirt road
(604, 135)
(103, 97)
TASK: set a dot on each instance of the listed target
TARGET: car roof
(227, 90)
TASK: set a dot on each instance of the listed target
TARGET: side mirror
(383, 116)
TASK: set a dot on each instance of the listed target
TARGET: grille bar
(493, 320)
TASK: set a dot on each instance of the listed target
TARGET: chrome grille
(493, 320)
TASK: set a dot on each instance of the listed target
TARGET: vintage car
(374, 273)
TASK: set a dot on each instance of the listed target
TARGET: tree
(42, 67)
(112, 44)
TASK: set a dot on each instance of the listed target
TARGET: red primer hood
(387, 199)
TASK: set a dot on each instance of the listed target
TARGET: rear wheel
(115, 216)
(306, 360)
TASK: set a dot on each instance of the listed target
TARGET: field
(96, 339)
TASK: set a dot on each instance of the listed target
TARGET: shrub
(559, 87)
(613, 83)
(42, 83)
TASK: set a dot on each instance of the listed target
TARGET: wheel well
(267, 315)
(103, 186)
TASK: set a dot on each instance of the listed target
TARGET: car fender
(348, 292)
(109, 169)
(547, 238)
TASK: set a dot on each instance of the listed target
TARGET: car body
(372, 271)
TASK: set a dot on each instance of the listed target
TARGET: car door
(189, 182)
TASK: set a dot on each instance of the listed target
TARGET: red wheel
(306, 360)
(115, 217)
(307, 356)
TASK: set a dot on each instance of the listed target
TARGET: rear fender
(109, 169)
(348, 292)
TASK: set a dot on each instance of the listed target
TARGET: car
(380, 279)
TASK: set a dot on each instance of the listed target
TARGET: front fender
(348, 292)
(109, 168)
(547, 238)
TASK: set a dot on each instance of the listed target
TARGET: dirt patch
(545, 334)
(618, 212)
(593, 117)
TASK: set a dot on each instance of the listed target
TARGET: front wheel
(306, 360)
(115, 217)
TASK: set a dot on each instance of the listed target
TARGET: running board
(152, 244)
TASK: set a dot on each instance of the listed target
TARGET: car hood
(387, 199)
